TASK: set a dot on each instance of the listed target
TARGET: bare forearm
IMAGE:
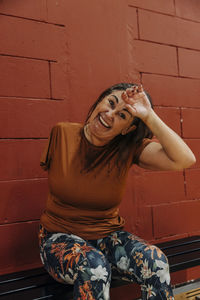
(174, 147)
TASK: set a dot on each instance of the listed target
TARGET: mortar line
(177, 60)
(164, 14)
(28, 57)
(138, 25)
(50, 83)
(33, 20)
(167, 44)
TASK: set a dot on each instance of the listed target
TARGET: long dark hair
(121, 145)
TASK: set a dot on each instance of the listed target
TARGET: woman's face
(109, 119)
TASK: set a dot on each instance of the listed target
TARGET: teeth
(103, 122)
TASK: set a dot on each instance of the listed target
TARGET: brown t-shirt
(81, 203)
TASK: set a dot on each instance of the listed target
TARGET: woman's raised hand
(137, 102)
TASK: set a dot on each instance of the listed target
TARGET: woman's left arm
(171, 153)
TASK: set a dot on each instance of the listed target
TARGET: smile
(103, 122)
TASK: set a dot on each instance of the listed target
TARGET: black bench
(37, 284)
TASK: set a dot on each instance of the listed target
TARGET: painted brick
(191, 122)
(194, 145)
(185, 275)
(155, 58)
(24, 77)
(128, 69)
(176, 218)
(95, 58)
(28, 9)
(156, 5)
(57, 11)
(172, 91)
(128, 207)
(19, 159)
(144, 228)
(160, 187)
(59, 83)
(22, 200)
(130, 223)
(27, 118)
(189, 62)
(176, 31)
(188, 9)
(171, 116)
(132, 22)
(192, 183)
(20, 249)
(138, 218)
(31, 39)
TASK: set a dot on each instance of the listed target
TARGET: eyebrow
(117, 100)
(128, 112)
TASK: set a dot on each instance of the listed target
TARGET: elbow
(191, 161)
(187, 163)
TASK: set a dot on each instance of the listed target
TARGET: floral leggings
(88, 264)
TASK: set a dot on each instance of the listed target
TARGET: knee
(153, 253)
(156, 262)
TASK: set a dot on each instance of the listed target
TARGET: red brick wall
(56, 57)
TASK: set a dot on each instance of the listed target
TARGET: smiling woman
(81, 235)
(118, 128)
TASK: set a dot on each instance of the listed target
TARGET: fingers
(134, 90)
(130, 92)
(124, 96)
(140, 88)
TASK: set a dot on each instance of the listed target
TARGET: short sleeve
(139, 150)
(49, 150)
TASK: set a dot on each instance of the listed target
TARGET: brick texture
(155, 58)
(56, 11)
(20, 247)
(171, 117)
(156, 5)
(20, 159)
(25, 9)
(168, 30)
(158, 187)
(59, 82)
(22, 200)
(194, 144)
(30, 118)
(188, 9)
(191, 123)
(176, 218)
(31, 39)
(172, 91)
(189, 62)
(21, 77)
(192, 184)
(56, 58)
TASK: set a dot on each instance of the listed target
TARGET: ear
(129, 129)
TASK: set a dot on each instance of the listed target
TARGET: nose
(110, 114)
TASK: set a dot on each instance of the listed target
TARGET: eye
(112, 103)
(122, 115)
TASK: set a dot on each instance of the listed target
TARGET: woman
(81, 234)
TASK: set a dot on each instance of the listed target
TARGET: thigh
(66, 255)
(132, 258)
